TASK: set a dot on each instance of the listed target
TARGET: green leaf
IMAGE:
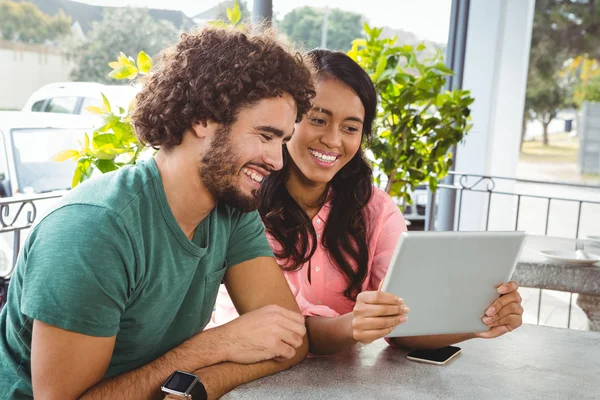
(234, 15)
(124, 61)
(106, 104)
(218, 24)
(359, 42)
(144, 62)
(76, 178)
(381, 64)
(105, 166)
(106, 139)
(94, 110)
(86, 143)
(443, 69)
(65, 155)
(125, 72)
(421, 47)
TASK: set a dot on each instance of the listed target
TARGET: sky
(428, 19)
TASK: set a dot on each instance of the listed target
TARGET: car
(29, 141)
(75, 97)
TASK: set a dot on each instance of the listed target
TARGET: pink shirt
(324, 295)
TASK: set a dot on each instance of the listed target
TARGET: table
(533, 362)
(536, 271)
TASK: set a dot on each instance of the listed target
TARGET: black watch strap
(198, 391)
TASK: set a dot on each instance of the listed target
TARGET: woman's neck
(308, 195)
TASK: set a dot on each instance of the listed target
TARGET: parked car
(28, 141)
(75, 97)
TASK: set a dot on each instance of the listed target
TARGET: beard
(220, 172)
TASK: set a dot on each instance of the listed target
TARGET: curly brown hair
(211, 75)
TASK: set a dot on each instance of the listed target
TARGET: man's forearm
(198, 352)
(222, 378)
(431, 341)
(330, 335)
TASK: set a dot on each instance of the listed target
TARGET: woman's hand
(376, 314)
(505, 314)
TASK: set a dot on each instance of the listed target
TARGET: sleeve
(392, 226)
(247, 240)
(75, 266)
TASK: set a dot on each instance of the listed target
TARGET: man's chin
(244, 202)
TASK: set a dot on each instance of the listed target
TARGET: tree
(129, 30)
(24, 22)
(544, 98)
(304, 25)
(562, 29)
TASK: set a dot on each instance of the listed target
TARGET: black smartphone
(437, 356)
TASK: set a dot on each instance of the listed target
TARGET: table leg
(591, 306)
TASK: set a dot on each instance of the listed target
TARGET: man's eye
(317, 121)
(267, 138)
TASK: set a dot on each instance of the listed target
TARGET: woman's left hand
(505, 314)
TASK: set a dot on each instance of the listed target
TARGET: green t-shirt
(112, 260)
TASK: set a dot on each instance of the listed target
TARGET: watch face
(180, 382)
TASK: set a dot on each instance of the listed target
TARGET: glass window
(89, 101)
(37, 106)
(63, 105)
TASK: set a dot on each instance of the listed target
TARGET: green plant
(417, 122)
(115, 144)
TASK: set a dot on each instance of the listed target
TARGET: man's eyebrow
(275, 131)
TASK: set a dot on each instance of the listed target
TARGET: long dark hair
(345, 234)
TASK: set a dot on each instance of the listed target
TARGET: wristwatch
(184, 386)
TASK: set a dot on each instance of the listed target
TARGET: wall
(25, 68)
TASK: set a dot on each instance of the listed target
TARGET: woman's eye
(352, 129)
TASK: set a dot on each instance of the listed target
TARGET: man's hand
(376, 314)
(268, 332)
(505, 314)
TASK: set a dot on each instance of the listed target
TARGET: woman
(333, 233)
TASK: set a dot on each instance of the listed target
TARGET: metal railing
(565, 215)
(17, 214)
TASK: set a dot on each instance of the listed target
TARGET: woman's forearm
(328, 335)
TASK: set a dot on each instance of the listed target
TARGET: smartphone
(437, 356)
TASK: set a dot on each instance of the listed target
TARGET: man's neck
(307, 194)
(188, 199)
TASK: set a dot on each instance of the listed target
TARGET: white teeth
(322, 156)
(255, 176)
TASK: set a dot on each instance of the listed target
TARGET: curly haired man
(114, 288)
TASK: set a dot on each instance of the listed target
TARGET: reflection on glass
(33, 150)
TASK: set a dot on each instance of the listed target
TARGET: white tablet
(449, 279)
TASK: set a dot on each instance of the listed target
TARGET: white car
(75, 97)
(29, 141)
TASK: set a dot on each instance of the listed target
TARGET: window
(38, 106)
(89, 101)
(63, 105)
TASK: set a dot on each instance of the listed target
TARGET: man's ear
(200, 128)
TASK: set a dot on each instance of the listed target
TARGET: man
(114, 288)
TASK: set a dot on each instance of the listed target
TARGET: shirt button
(317, 269)
(318, 221)
(318, 235)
